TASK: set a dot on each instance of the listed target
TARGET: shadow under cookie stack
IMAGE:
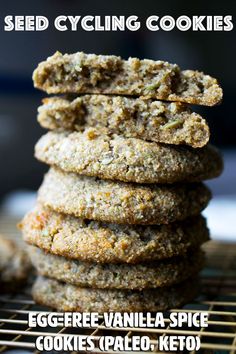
(117, 225)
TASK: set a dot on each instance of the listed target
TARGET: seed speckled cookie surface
(147, 119)
(109, 74)
(119, 202)
(65, 297)
(94, 153)
(94, 241)
(117, 276)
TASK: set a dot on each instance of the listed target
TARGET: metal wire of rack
(218, 299)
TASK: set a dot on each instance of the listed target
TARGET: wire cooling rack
(218, 299)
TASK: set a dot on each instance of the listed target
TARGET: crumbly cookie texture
(108, 74)
(91, 241)
(95, 153)
(66, 297)
(117, 276)
(121, 203)
(14, 265)
(164, 122)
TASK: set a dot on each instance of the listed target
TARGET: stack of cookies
(117, 225)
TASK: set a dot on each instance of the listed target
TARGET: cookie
(65, 297)
(14, 265)
(163, 122)
(116, 276)
(103, 74)
(119, 202)
(94, 153)
(91, 241)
